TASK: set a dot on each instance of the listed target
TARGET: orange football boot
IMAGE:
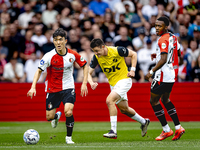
(164, 135)
(178, 134)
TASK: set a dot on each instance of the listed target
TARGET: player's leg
(156, 93)
(130, 112)
(112, 98)
(171, 110)
(68, 99)
(52, 102)
(69, 122)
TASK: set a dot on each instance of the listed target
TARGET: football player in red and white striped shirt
(166, 71)
(59, 83)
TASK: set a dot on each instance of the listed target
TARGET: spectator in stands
(87, 54)
(111, 31)
(196, 71)
(139, 42)
(144, 57)
(150, 9)
(181, 71)
(5, 22)
(191, 9)
(49, 15)
(124, 39)
(49, 45)
(13, 10)
(183, 33)
(25, 18)
(10, 44)
(74, 40)
(13, 71)
(98, 7)
(195, 52)
(195, 25)
(38, 37)
(29, 47)
(30, 68)
(65, 20)
(138, 20)
(3, 55)
(87, 28)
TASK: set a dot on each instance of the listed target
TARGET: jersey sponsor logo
(112, 69)
(114, 60)
(163, 46)
(82, 59)
(42, 62)
(61, 68)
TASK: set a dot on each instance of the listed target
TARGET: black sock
(56, 116)
(171, 110)
(69, 125)
(159, 112)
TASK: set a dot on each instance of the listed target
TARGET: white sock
(138, 118)
(178, 127)
(113, 121)
(166, 128)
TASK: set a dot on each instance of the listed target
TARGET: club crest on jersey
(41, 62)
(50, 105)
(82, 59)
(163, 45)
(71, 60)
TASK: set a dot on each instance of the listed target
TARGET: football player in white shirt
(60, 82)
(166, 71)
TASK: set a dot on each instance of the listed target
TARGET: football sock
(171, 110)
(159, 112)
(178, 127)
(69, 125)
(166, 128)
(56, 116)
(138, 118)
(113, 121)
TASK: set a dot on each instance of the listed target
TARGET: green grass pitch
(89, 135)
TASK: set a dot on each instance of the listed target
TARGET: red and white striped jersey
(60, 69)
(167, 43)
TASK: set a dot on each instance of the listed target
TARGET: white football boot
(69, 140)
(54, 122)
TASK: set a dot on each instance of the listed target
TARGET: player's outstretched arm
(92, 84)
(133, 56)
(32, 91)
(84, 90)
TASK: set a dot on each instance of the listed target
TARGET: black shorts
(161, 87)
(53, 100)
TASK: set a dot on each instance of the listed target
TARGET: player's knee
(152, 102)
(124, 110)
(49, 117)
(68, 113)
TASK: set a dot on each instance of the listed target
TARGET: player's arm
(125, 52)
(160, 63)
(84, 90)
(93, 64)
(32, 91)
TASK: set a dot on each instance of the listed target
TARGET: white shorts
(121, 88)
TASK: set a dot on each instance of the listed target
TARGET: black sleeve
(123, 51)
(94, 62)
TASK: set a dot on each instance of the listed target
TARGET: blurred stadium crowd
(26, 28)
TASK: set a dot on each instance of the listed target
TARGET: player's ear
(65, 41)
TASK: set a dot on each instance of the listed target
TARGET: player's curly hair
(96, 43)
(164, 19)
(59, 32)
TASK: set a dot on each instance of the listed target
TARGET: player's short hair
(96, 43)
(59, 32)
(164, 19)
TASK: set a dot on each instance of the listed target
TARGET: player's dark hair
(59, 32)
(96, 43)
(164, 19)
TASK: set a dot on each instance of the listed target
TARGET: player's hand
(148, 76)
(131, 74)
(84, 90)
(31, 93)
(94, 85)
